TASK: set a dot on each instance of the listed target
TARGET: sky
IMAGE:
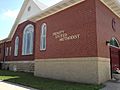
(9, 10)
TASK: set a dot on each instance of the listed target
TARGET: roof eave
(56, 8)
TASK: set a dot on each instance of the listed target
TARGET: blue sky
(8, 13)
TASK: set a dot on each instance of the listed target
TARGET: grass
(28, 79)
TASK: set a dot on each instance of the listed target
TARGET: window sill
(27, 54)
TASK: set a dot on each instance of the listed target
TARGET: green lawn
(28, 79)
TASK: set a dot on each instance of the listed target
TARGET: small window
(10, 51)
(6, 52)
(43, 37)
(16, 46)
(113, 24)
(29, 8)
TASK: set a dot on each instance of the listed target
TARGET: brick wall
(8, 45)
(79, 19)
(1, 51)
(104, 28)
(86, 18)
(19, 32)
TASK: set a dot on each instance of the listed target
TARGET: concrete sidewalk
(11, 86)
(112, 85)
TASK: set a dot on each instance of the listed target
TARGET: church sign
(63, 36)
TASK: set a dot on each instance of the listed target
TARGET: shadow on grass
(28, 79)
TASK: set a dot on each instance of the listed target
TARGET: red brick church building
(73, 40)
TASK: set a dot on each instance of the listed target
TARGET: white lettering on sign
(62, 36)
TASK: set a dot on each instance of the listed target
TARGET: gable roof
(40, 5)
(45, 11)
(17, 21)
(32, 6)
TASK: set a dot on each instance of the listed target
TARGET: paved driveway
(112, 85)
(11, 86)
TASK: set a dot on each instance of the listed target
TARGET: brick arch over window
(28, 37)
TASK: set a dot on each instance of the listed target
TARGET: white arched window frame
(28, 35)
(6, 51)
(10, 50)
(16, 46)
(43, 36)
(114, 40)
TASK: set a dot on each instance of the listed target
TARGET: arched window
(16, 46)
(6, 51)
(10, 50)
(43, 37)
(28, 35)
(114, 42)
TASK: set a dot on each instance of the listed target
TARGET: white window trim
(10, 50)
(16, 48)
(6, 51)
(24, 49)
(43, 36)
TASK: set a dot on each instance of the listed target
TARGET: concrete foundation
(26, 66)
(93, 70)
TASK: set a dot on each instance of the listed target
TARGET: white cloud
(50, 2)
(7, 18)
(10, 13)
